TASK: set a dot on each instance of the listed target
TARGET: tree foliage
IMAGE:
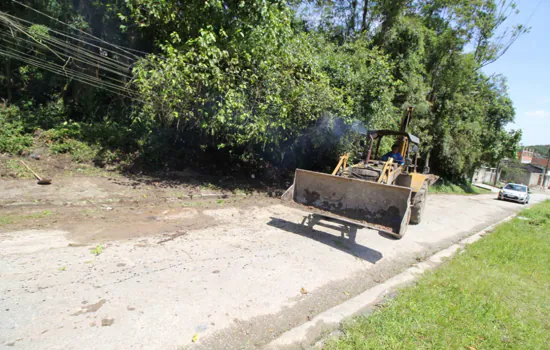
(284, 82)
(541, 150)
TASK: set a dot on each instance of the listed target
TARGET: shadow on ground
(199, 181)
(347, 245)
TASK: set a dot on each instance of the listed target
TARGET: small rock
(201, 327)
(107, 322)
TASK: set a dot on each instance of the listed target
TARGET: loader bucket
(367, 203)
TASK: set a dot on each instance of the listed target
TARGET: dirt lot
(110, 263)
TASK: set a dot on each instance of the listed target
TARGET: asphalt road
(237, 284)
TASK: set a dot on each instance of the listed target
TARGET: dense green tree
(285, 82)
(542, 150)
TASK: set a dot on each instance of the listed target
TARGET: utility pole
(498, 170)
(544, 176)
(496, 173)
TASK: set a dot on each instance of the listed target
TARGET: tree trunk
(351, 29)
(8, 78)
(364, 27)
(427, 168)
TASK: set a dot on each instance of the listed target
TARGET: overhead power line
(69, 37)
(81, 31)
(74, 53)
(99, 63)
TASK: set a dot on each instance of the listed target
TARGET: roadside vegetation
(464, 187)
(499, 184)
(289, 84)
(13, 219)
(541, 150)
(493, 296)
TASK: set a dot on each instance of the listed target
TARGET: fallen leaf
(195, 338)
(472, 348)
(303, 291)
(346, 293)
(271, 330)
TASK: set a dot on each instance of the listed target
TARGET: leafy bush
(79, 151)
(267, 82)
(13, 136)
(62, 133)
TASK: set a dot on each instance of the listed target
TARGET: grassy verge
(493, 296)
(499, 184)
(14, 219)
(18, 170)
(448, 187)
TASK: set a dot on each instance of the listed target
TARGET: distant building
(534, 169)
(485, 174)
(539, 161)
(532, 175)
(526, 155)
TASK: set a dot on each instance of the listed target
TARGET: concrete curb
(305, 335)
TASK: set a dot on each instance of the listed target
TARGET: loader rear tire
(419, 203)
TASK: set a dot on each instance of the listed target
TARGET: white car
(515, 192)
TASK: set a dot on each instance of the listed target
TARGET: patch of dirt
(94, 205)
(96, 209)
(107, 322)
(46, 165)
(90, 308)
(172, 237)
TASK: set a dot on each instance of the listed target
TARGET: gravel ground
(98, 265)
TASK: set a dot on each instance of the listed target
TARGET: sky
(526, 65)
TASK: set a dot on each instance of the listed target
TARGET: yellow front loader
(374, 193)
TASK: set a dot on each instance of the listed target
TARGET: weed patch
(14, 219)
(448, 187)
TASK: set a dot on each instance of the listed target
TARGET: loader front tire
(419, 203)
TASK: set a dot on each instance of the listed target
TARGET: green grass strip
(447, 187)
(496, 295)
